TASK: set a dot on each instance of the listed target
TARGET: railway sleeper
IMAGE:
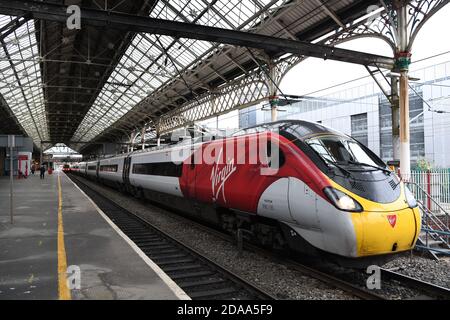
(206, 282)
(191, 275)
(164, 262)
(182, 267)
(208, 294)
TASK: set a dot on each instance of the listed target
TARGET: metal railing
(436, 183)
(435, 221)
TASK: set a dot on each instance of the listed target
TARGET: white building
(363, 112)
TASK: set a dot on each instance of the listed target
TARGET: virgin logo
(392, 220)
(220, 175)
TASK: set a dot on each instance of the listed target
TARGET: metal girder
(100, 18)
(331, 13)
(422, 11)
(239, 93)
(87, 142)
(384, 25)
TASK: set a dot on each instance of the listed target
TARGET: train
(289, 185)
(68, 168)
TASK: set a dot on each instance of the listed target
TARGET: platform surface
(109, 268)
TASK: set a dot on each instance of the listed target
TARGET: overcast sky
(315, 74)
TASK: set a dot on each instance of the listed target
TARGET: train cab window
(92, 168)
(338, 149)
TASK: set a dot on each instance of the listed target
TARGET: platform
(102, 262)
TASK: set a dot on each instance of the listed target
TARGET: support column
(41, 157)
(403, 60)
(395, 115)
(158, 134)
(405, 152)
(11, 178)
(143, 138)
(273, 97)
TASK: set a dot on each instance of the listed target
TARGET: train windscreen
(341, 150)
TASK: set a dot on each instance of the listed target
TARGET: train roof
(300, 128)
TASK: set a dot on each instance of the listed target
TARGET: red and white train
(329, 195)
(74, 168)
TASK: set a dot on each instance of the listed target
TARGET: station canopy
(61, 151)
(94, 84)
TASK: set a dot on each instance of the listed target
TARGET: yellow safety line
(63, 290)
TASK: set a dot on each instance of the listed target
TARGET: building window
(167, 169)
(417, 136)
(359, 128)
(109, 168)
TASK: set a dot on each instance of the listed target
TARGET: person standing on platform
(42, 172)
(32, 169)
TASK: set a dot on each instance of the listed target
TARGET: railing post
(427, 229)
(428, 189)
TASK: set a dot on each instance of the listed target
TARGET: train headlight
(412, 203)
(342, 201)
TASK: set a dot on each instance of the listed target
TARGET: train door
(126, 170)
(302, 204)
(97, 170)
(191, 177)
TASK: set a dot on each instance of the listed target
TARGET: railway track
(425, 290)
(430, 290)
(198, 276)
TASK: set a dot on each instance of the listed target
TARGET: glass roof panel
(20, 79)
(145, 66)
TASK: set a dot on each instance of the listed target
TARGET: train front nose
(383, 232)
